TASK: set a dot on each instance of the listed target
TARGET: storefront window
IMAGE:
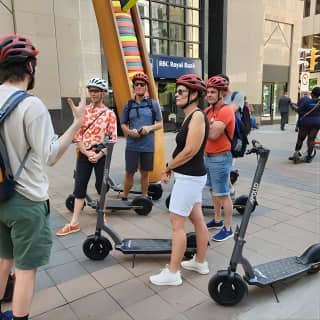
(176, 31)
(159, 47)
(192, 34)
(159, 29)
(192, 50)
(193, 3)
(176, 48)
(192, 17)
(176, 14)
(143, 6)
(146, 26)
(159, 11)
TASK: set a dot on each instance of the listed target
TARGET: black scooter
(140, 204)
(239, 204)
(8, 294)
(97, 247)
(227, 287)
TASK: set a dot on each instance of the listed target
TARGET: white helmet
(98, 83)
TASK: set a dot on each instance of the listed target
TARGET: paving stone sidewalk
(285, 223)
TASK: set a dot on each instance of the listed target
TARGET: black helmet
(316, 91)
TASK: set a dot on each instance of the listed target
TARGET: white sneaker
(192, 264)
(166, 278)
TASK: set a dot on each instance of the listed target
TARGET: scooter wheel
(240, 204)
(9, 289)
(227, 290)
(155, 191)
(70, 202)
(168, 201)
(96, 248)
(234, 174)
(145, 204)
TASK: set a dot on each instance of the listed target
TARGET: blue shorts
(218, 173)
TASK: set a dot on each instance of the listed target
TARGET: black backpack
(244, 116)
(149, 105)
(7, 179)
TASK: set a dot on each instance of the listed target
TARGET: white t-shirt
(29, 125)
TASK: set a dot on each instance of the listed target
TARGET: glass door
(267, 99)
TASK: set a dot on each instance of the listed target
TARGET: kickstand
(274, 292)
(133, 260)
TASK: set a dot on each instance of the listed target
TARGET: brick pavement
(284, 224)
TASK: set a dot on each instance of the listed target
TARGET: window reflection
(176, 31)
(143, 7)
(145, 26)
(317, 6)
(159, 29)
(176, 14)
(192, 17)
(159, 47)
(176, 49)
(193, 3)
(192, 34)
(192, 50)
(159, 11)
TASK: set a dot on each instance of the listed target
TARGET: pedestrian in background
(284, 104)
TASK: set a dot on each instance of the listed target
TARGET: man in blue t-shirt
(140, 117)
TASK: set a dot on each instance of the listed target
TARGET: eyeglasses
(94, 90)
(139, 84)
(180, 92)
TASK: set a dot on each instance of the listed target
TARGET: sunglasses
(139, 84)
(180, 92)
(94, 90)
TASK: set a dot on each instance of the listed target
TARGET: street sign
(305, 76)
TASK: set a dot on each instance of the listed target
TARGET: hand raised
(78, 111)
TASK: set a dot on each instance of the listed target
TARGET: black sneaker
(308, 159)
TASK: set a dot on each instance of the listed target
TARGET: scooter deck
(274, 271)
(147, 246)
(114, 204)
(119, 189)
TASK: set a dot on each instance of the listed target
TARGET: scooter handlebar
(257, 147)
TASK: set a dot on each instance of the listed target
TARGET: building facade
(254, 42)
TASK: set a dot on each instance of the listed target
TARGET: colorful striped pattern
(128, 38)
(127, 4)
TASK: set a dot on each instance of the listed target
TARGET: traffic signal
(313, 58)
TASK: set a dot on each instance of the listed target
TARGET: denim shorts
(218, 172)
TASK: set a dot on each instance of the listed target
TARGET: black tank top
(195, 166)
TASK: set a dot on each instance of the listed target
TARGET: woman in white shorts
(188, 168)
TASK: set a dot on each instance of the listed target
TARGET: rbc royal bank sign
(174, 67)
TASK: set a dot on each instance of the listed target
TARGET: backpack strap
(5, 110)
(149, 105)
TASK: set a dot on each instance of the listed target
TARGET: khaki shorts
(25, 233)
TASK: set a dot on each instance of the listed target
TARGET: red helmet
(14, 48)
(192, 81)
(218, 83)
(140, 76)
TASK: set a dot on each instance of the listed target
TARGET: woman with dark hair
(189, 171)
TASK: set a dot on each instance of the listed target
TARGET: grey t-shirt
(29, 124)
(238, 99)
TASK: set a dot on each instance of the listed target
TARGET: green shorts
(25, 233)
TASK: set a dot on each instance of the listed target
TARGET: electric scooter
(141, 205)
(154, 189)
(239, 204)
(227, 287)
(97, 247)
(301, 158)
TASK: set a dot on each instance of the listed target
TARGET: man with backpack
(140, 117)
(28, 142)
(242, 112)
(218, 157)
